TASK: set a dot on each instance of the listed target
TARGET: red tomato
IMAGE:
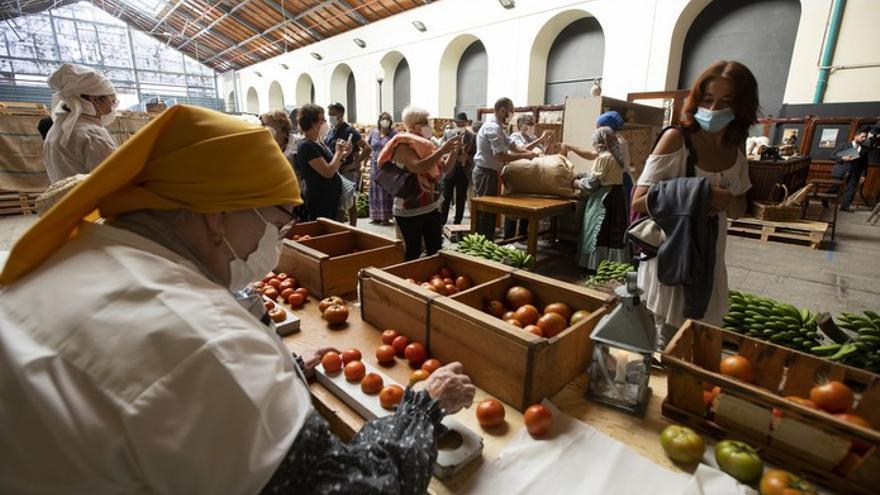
(538, 420)
(560, 308)
(350, 355)
(508, 315)
(399, 344)
(439, 286)
(390, 396)
(446, 273)
(385, 354)
(268, 305)
(832, 396)
(331, 362)
(296, 300)
(303, 291)
(551, 324)
(286, 293)
(371, 384)
(355, 371)
(336, 314)
(496, 308)
(428, 286)
(855, 419)
(528, 314)
(737, 367)
(463, 282)
(518, 296)
(268, 277)
(450, 289)
(535, 329)
(287, 283)
(415, 353)
(274, 283)
(277, 315)
(271, 293)
(490, 413)
(431, 365)
(281, 276)
(329, 301)
(515, 322)
(388, 336)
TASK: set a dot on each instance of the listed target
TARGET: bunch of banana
(479, 245)
(609, 271)
(766, 319)
(864, 349)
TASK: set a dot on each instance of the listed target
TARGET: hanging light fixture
(317, 56)
(420, 26)
(359, 42)
(507, 4)
(258, 73)
(284, 66)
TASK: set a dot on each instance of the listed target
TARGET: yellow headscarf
(187, 158)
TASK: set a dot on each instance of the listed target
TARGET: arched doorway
(401, 82)
(471, 80)
(305, 90)
(276, 96)
(574, 61)
(253, 101)
(351, 98)
(343, 89)
(757, 33)
(230, 102)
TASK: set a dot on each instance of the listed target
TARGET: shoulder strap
(691, 165)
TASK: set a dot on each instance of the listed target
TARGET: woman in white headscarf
(84, 104)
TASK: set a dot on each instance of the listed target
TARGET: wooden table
(640, 434)
(516, 206)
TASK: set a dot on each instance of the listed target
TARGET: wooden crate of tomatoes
(804, 413)
(397, 297)
(322, 226)
(521, 337)
(328, 264)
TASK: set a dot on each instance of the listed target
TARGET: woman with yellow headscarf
(126, 363)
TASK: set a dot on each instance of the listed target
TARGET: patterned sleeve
(390, 455)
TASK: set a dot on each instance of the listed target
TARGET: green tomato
(739, 460)
(682, 444)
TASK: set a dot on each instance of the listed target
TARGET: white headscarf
(70, 82)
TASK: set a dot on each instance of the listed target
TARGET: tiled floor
(843, 276)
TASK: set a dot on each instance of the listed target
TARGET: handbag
(349, 193)
(644, 234)
(396, 181)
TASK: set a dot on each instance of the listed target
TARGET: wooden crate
(388, 300)
(319, 227)
(326, 264)
(514, 365)
(803, 440)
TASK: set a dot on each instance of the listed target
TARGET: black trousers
(457, 183)
(426, 227)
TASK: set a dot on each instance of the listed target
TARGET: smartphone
(349, 138)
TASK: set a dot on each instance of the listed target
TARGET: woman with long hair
(380, 201)
(721, 107)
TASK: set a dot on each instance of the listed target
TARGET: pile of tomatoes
(280, 285)
(518, 309)
(445, 282)
(334, 310)
(394, 344)
(297, 237)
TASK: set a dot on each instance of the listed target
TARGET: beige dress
(667, 302)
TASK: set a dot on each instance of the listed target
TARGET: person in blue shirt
(360, 150)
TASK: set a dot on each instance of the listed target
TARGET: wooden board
(799, 438)
(522, 368)
(812, 233)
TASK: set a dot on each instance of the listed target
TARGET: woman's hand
(343, 147)
(450, 145)
(450, 386)
(311, 360)
(721, 198)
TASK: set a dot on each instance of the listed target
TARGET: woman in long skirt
(380, 201)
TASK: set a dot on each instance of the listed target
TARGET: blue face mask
(714, 120)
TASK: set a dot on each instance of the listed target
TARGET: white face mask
(325, 129)
(530, 130)
(385, 123)
(265, 258)
(334, 121)
(427, 132)
(108, 119)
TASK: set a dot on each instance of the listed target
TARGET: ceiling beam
(214, 23)
(308, 11)
(247, 25)
(164, 17)
(285, 14)
(351, 12)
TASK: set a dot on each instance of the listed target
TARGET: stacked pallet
(18, 203)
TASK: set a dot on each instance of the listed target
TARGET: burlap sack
(550, 175)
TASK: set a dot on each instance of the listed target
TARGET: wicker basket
(777, 212)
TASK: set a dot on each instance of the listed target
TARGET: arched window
(575, 60)
(351, 96)
(253, 101)
(230, 102)
(401, 89)
(276, 96)
(471, 80)
(757, 33)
